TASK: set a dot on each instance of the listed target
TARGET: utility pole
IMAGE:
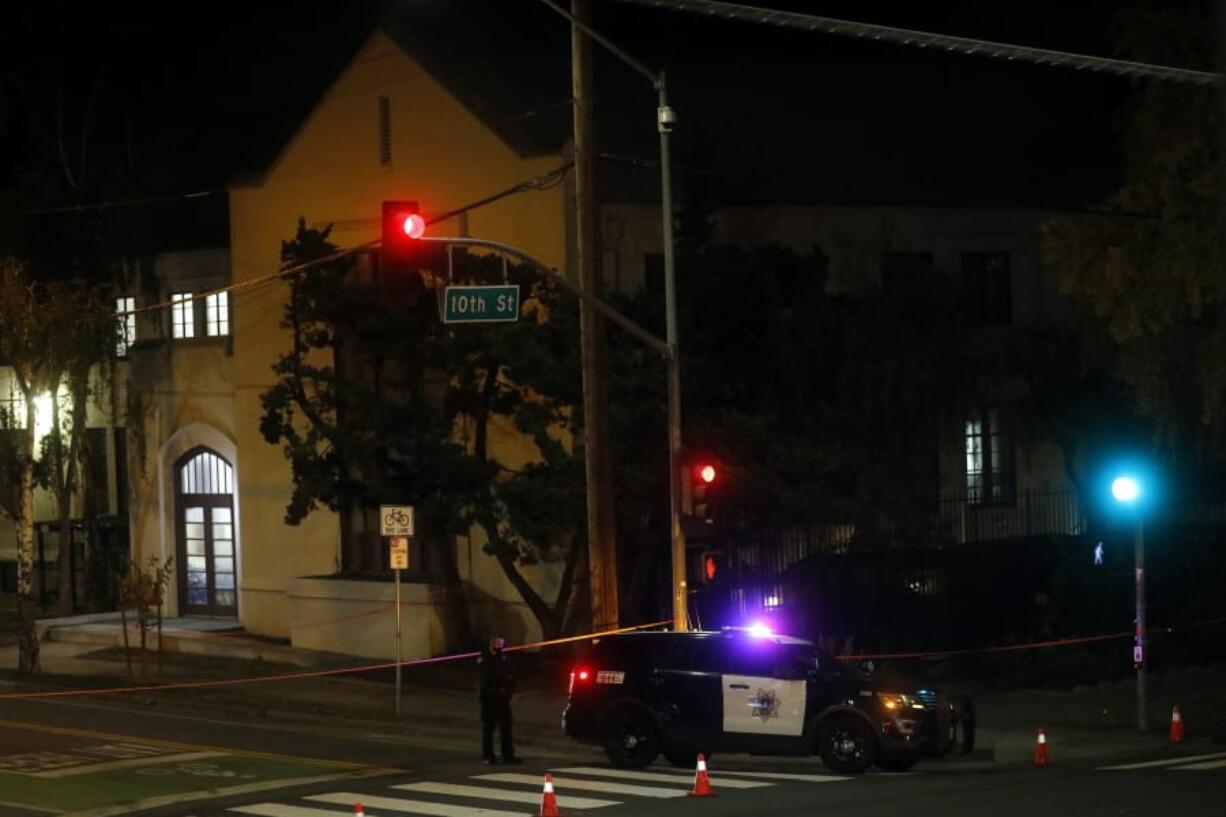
(1139, 656)
(601, 527)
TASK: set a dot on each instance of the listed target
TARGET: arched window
(207, 557)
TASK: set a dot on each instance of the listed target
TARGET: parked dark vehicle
(640, 694)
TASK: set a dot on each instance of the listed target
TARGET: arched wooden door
(207, 566)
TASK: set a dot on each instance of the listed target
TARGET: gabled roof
(518, 86)
(511, 69)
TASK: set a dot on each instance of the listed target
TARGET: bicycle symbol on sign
(396, 520)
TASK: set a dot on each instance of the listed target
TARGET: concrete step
(108, 632)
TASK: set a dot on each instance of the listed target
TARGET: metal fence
(766, 553)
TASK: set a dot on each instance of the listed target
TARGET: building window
(127, 324)
(183, 315)
(989, 459)
(987, 288)
(772, 598)
(385, 131)
(217, 314)
(653, 272)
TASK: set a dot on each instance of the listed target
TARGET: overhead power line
(924, 39)
(545, 181)
(108, 205)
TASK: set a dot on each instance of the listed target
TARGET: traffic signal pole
(664, 123)
(665, 118)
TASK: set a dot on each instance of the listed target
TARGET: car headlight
(898, 702)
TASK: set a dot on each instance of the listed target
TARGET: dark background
(200, 93)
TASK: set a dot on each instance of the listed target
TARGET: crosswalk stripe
(802, 778)
(1173, 761)
(285, 810)
(1212, 764)
(657, 777)
(487, 793)
(584, 785)
(410, 806)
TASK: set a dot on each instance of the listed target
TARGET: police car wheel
(846, 745)
(631, 741)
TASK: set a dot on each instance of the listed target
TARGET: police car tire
(647, 748)
(841, 726)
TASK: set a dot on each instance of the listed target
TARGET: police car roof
(727, 632)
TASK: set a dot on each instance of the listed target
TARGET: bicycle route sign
(395, 520)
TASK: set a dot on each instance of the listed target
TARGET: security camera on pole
(396, 523)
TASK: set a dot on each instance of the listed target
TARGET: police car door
(764, 698)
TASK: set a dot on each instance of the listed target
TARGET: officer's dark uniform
(497, 687)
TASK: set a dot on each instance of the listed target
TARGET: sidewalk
(438, 707)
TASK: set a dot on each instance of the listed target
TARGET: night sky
(194, 94)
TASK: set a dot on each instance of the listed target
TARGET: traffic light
(712, 566)
(699, 481)
(403, 225)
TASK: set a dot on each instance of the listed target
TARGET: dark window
(121, 471)
(796, 662)
(986, 288)
(653, 272)
(906, 274)
(96, 482)
(755, 656)
(989, 459)
(385, 131)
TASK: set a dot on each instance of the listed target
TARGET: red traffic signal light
(699, 480)
(403, 225)
(710, 567)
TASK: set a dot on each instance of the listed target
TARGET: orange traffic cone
(1176, 726)
(702, 785)
(358, 811)
(1040, 749)
(549, 800)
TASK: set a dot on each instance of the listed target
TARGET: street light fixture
(1127, 491)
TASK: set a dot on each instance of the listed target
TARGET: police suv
(640, 694)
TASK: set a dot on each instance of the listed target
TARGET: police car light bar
(760, 630)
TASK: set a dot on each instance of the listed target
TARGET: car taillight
(580, 675)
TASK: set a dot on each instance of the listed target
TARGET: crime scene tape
(1030, 645)
(291, 676)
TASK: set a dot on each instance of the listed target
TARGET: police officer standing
(497, 687)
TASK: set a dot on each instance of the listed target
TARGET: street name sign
(395, 520)
(481, 304)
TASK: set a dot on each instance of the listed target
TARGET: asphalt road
(90, 759)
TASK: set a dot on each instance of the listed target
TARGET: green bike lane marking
(204, 772)
(89, 772)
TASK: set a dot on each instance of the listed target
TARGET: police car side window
(795, 663)
(754, 658)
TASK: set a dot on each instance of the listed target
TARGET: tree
(24, 345)
(1148, 271)
(378, 402)
(79, 355)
